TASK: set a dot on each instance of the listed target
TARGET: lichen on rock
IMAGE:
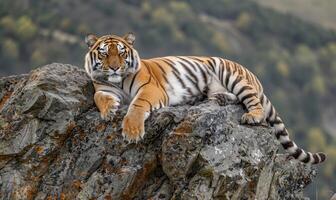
(53, 144)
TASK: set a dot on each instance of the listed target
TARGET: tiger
(119, 76)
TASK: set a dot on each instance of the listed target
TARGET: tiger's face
(111, 58)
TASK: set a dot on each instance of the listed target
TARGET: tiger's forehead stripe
(108, 40)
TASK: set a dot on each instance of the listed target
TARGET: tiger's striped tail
(282, 135)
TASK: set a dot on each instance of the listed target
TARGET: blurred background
(289, 44)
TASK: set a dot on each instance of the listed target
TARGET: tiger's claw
(133, 129)
(106, 104)
(251, 119)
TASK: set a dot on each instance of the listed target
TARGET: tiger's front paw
(133, 128)
(252, 118)
(109, 112)
(106, 104)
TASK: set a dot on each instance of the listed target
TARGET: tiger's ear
(90, 40)
(129, 38)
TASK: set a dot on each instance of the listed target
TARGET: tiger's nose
(114, 69)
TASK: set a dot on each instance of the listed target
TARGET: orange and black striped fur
(120, 75)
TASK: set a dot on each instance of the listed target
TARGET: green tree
(243, 20)
(283, 69)
(316, 139)
(221, 43)
(8, 23)
(26, 29)
(10, 48)
(38, 57)
(305, 65)
(318, 85)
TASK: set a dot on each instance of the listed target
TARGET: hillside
(317, 11)
(294, 59)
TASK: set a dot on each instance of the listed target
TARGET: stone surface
(53, 145)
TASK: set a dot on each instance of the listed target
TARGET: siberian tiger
(119, 75)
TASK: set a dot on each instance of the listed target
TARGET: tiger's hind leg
(253, 117)
(255, 114)
(219, 94)
(239, 91)
(248, 95)
(224, 98)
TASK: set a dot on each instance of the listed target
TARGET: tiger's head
(111, 58)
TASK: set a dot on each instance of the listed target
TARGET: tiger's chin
(114, 79)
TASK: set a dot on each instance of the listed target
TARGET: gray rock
(53, 144)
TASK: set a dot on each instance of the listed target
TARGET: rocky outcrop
(53, 145)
